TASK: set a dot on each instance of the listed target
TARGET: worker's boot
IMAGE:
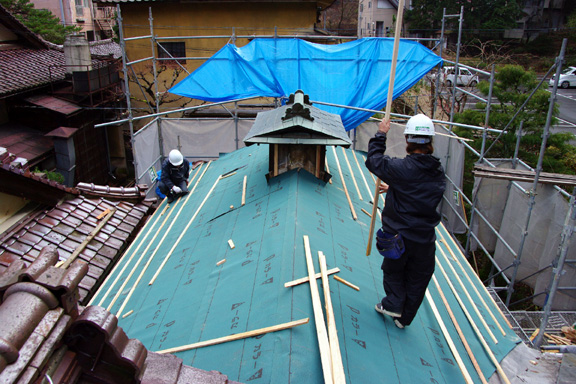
(170, 197)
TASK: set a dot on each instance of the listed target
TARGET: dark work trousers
(406, 279)
(164, 189)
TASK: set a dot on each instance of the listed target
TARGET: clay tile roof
(106, 47)
(23, 69)
(68, 227)
(45, 334)
(18, 180)
(137, 193)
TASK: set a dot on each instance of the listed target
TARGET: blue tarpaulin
(355, 73)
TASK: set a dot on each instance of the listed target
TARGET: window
(383, 4)
(174, 49)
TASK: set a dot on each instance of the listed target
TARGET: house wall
(373, 12)
(75, 12)
(9, 205)
(199, 19)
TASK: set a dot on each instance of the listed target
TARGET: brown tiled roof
(106, 47)
(66, 226)
(137, 193)
(18, 180)
(45, 334)
(22, 69)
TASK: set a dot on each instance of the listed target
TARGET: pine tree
(39, 21)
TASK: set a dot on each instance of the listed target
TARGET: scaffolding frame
(556, 266)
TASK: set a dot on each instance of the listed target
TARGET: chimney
(77, 54)
(298, 134)
(65, 153)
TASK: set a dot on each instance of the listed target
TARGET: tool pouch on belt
(389, 245)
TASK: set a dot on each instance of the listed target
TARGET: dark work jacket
(172, 175)
(416, 185)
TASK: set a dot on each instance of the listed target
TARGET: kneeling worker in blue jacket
(174, 179)
(415, 185)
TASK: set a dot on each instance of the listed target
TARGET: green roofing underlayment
(193, 299)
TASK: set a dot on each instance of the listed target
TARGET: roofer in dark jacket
(174, 179)
(414, 186)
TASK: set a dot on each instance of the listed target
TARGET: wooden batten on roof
(298, 134)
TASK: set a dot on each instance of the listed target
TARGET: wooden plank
(317, 168)
(524, 172)
(244, 190)
(145, 268)
(362, 173)
(327, 169)
(321, 331)
(337, 366)
(524, 176)
(352, 174)
(146, 230)
(397, 32)
(183, 232)
(459, 331)
(466, 293)
(127, 313)
(275, 160)
(237, 336)
(88, 239)
(443, 240)
(307, 279)
(104, 213)
(338, 278)
(474, 326)
(344, 185)
(449, 341)
(473, 273)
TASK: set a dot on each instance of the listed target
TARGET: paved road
(566, 99)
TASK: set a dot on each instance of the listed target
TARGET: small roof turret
(298, 122)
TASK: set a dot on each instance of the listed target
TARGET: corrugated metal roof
(209, 266)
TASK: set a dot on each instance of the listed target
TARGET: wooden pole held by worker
(387, 115)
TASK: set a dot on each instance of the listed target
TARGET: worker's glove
(176, 189)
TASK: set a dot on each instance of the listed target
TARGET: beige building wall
(81, 13)
(374, 16)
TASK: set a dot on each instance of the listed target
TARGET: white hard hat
(175, 157)
(419, 129)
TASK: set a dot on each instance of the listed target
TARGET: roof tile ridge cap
(48, 257)
(129, 351)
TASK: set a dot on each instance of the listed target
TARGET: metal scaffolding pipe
(517, 259)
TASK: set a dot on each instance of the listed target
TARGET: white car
(465, 77)
(567, 78)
